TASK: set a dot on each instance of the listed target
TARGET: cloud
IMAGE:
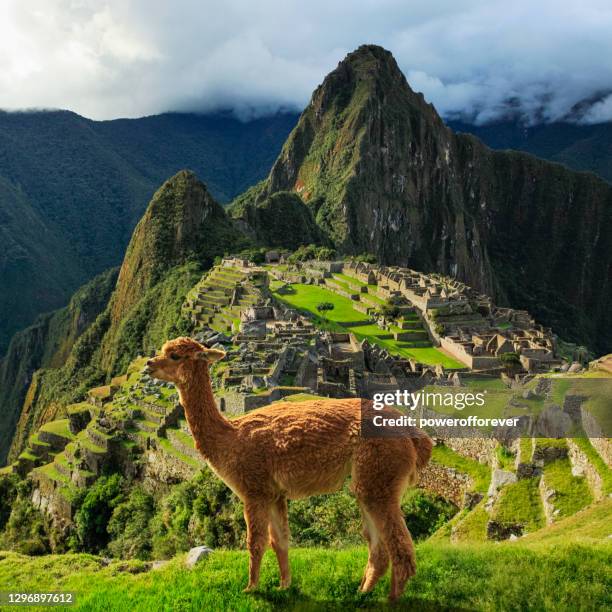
(477, 60)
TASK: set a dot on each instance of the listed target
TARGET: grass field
(465, 577)
(306, 298)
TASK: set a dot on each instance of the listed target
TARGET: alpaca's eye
(174, 357)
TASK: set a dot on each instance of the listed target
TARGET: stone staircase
(217, 300)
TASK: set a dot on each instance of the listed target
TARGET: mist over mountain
(580, 147)
(380, 172)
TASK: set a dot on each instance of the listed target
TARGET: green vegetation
(344, 317)
(164, 259)
(23, 527)
(505, 458)
(598, 463)
(520, 503)
(588, 526)
(525, 450)
(128, 526)
(469, 577)
(94, 512)
(72, 190)
(473, 526)
(46, 344)
(479, 473)
(572, 493)
(311, 251)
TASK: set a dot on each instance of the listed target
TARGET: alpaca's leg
(389, 520)
(279, 539)
(378, 558)
(257, 516)
(381, 470)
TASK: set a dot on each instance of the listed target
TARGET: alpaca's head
(181, 359)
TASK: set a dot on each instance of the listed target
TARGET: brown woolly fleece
(292, 450)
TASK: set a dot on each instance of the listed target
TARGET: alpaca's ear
(210, 355)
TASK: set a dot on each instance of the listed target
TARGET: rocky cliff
(381, 173)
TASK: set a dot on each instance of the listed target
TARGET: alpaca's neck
(212, 432)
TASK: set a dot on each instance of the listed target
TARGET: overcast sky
(471, 58)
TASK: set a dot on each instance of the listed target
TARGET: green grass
(525, 450)
(473, 526)
(351, 279)
(520, 502)
(87, 443)
(598, 393)
(51, 472)
(484, 383)
(588, 526)
(59, 428)
(480, 474)
(28, 455)
(466, 577)
(550, 443)
(505, 458)
(184, 438)
(598, 463)
(170, 449)
(306, 298)
(572, 492)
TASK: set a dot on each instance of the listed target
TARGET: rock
(456, 380)
(253, 329)
(513, 537)
(575, 367)
(471, 499)
(527, 470)
(529, 394)
(503, 531)
(195, 555)
(578, 470)
(500, 478)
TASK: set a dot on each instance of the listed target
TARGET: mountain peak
(368, 73)
(182, 222)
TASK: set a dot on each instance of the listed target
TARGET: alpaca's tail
(423, 445)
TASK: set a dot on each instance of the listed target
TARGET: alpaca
(293, 450)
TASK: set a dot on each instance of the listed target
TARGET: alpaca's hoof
(284, 584)
(250, 588)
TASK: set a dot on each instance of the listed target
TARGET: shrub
(509, 359)
(322, 306)
(200, 511)
(425, 512)
(365, 258)
(129, 526)
(24, 531)
(8, 493)
(254, 255)
(325, 254)
(311, 251)
(390, 309)
(95, 509)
